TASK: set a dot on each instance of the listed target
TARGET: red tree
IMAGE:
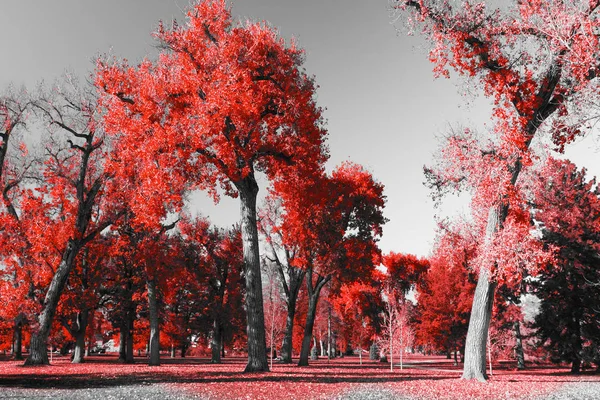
(334, 224)
(221, 102)
(58, 213)
(444, 295)
(538, 62)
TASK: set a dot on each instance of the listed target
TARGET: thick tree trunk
(122, 344)
(479, 323)
(257, 345)
(18, 339)
(154, 325)
(183, 350)
(519, 347)
(129, 346)
(39, 339)
(483, 300)
(215, 343)
(286, 346)
(308, 329)
(79, 351)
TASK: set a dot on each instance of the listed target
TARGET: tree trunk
(483, 301)
(39, 339)
(322, 344)
(294, 287)
(257, 345)
(308, 329)
(215, 343)
(79, 351)
(183, 350)
(479, 323)
(519, 347)
(154, 326)
(455, 356)
(129, 345)
(122, 344)
(18, 339)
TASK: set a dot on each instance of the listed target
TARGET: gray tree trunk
(215, 343)
(122, 344)
(257, 344)
(479, 324)
(79, 351)
(18, 338)
(519, 347)
(296, 278)
(154, 343)
(308, 329)
(39, 339)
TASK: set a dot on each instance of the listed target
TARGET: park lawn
(422, 378)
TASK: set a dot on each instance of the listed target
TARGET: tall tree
(64, 215)
(222, 102)
(538, 62)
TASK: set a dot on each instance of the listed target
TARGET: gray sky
(384, 109)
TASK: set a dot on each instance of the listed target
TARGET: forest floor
(101, 377)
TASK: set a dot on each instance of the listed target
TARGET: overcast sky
(384, 109)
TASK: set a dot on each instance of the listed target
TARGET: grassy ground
(101, 377)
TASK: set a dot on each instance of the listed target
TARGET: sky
(383, 107)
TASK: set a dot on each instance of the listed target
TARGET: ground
(344, 378)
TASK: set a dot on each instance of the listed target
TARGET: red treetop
(221, 101)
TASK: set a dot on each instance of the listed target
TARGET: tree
(444, 295)
(282, 255)
(396, 332)
(274, 308)
(334, 223)
(222, 102)
(568, 210)
(359, 306)
(403, 272)
(537, 61)
(67, 213)
(214, 256)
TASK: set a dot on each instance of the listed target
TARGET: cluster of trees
(537, 61)
(95, 236)
(92, 211)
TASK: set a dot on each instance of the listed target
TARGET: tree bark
(18, 338)
(154, 325)
(122, 344)
(257, 344)
(313, 298)
(215, 343)
(519, 347)
(308, 328)
(39, 339)
(483, 301)
(296, 277)
(79, 351)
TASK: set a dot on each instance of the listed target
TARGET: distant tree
(444, 295)
(359, 306)
(334, 223)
